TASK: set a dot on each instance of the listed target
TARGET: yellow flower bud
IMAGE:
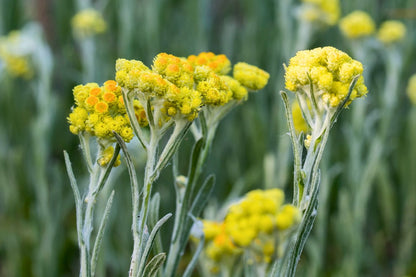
(250, 76)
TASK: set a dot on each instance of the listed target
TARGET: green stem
(139, 221)
(87, 225)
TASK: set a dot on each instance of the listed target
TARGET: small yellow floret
(220, 64)
(391, 31)
(101, 107)
(357, 24)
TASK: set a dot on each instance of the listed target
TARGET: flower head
(178, 88)
(87, 23)
(14, 55)
(391, 31)
(324, 75)
(357, 24)
(256, 225)
(98, 112)
(324, 11)
(250, 76)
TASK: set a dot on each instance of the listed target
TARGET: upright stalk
(182, 223)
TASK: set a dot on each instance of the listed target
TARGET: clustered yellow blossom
(87, 23)
(99, 111)
(257, 224)
(357, 24)
(325, 11)
(179, 87)
(391, 31)
(411, 89)
(329, 72)
(250, 76)
(16, 64)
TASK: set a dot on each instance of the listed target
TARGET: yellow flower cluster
(169, 84)
(329, 71)
(254, 224)
(250, 76)
(325, 11)
(16, 64)
(411, 89)
(100, 110)
(357, 24)
(87, 23)
(179, 87)
(391, 31)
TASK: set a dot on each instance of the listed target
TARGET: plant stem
(87, 226)
(181, 229)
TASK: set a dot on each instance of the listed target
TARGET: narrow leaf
(203, 196)
(304, 231)
(193, 163)
(192, 263)
(153, 218)
(203, 122)
(100, 234)
(347, 98)
(154, 265)
(130, 165)
(149, 243)
(171, 146)
(85, 147)
(133, 121)
(196, 208)
(77, 195)
(297, 150)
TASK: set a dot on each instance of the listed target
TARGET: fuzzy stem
(182, 206)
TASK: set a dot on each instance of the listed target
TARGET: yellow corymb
(329, 72)
(357, 24)
(100, 110)
(250, 76)
(256, 225)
